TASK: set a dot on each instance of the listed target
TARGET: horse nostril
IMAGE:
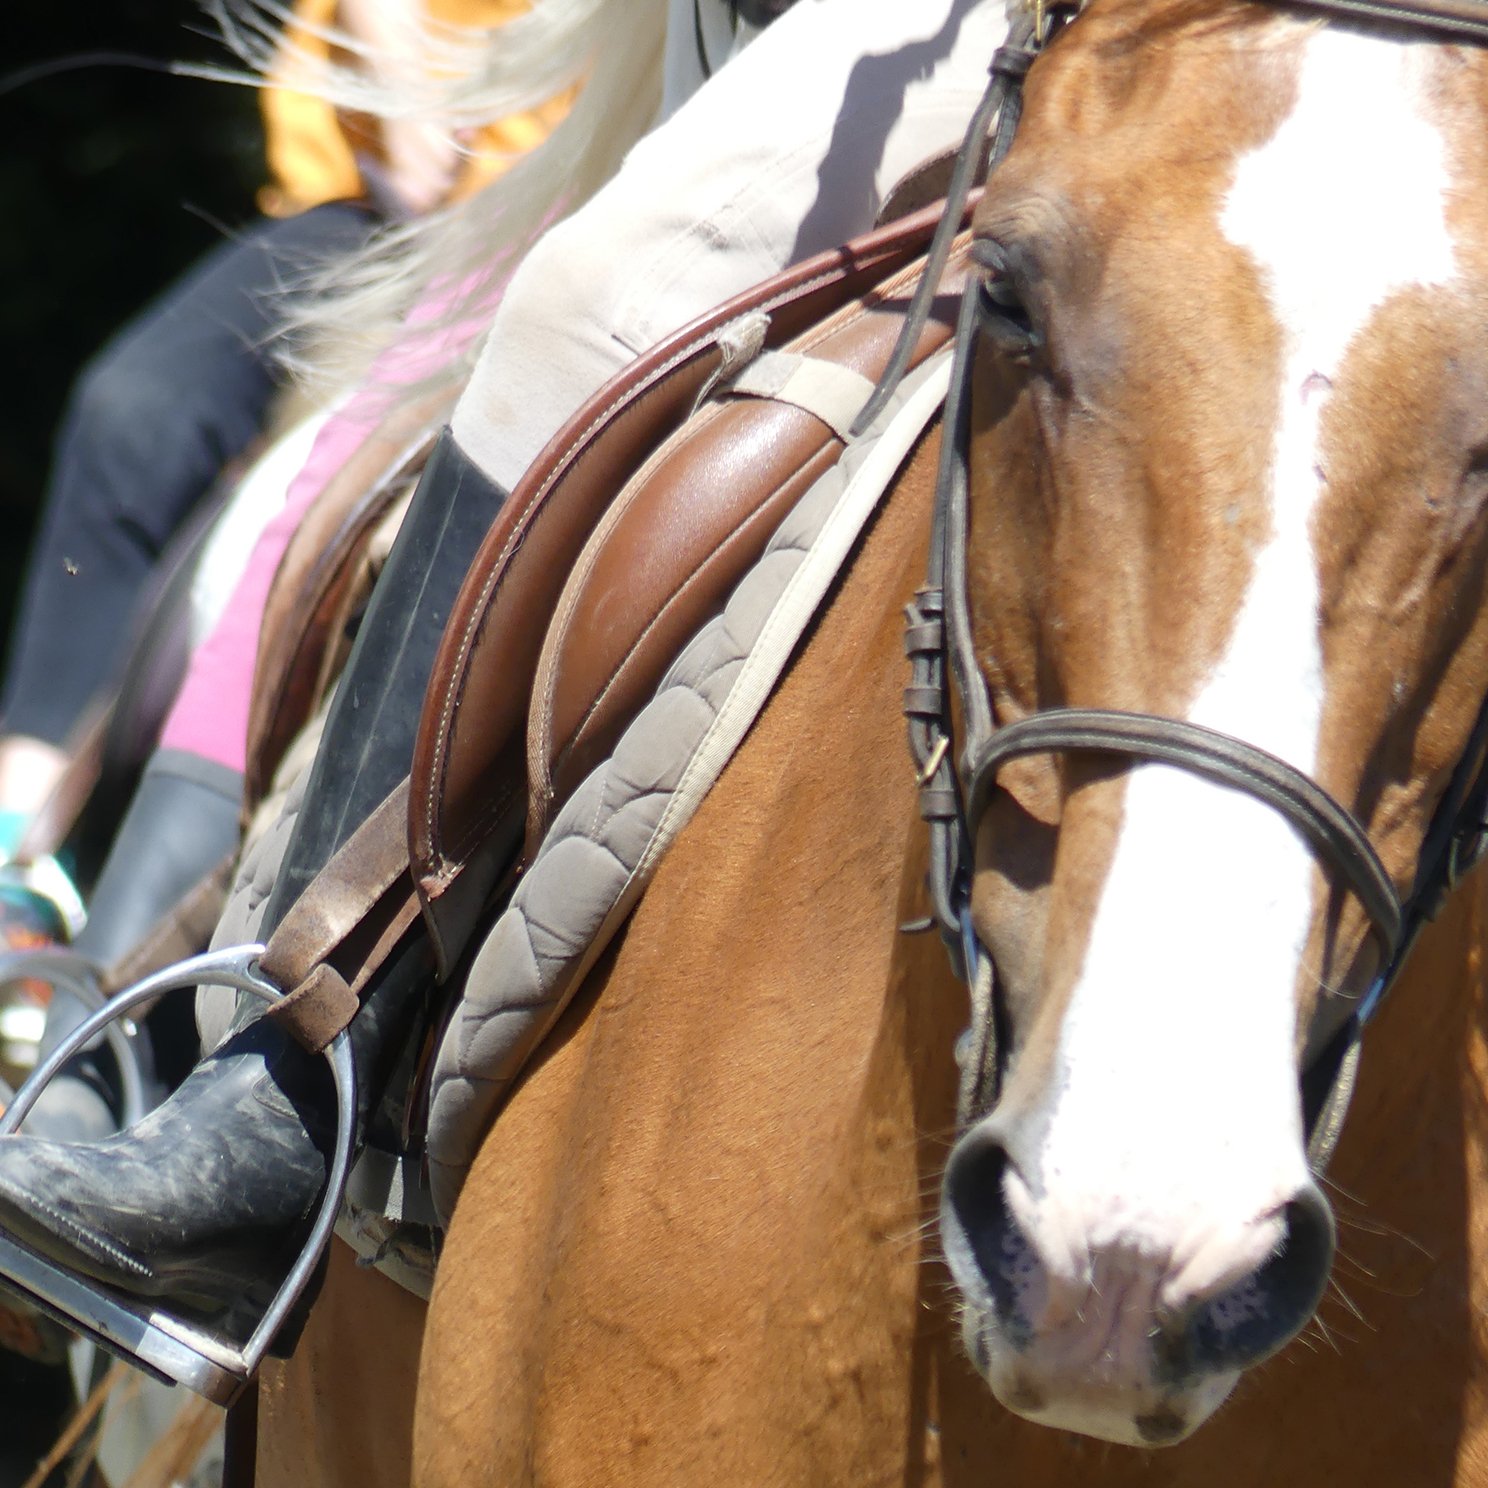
(1161, 1427)
(987, 1251)
(1259, 1315)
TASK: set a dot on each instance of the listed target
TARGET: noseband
(956, 784)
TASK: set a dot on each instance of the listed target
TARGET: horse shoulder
(662, 1269)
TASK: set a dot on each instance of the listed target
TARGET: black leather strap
(1467, 19)
(1332, 832)
(1002, 102)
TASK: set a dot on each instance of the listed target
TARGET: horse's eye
(1001, 308)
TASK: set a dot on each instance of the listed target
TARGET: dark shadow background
(112, 180)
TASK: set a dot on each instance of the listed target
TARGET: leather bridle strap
(1464, 19)
(1332, 832)
(1002, 102)
(938, 635)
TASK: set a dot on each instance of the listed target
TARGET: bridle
(958, 776)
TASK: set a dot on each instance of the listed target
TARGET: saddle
(612, 549)
(325, 576)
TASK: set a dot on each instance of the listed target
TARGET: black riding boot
(202, 1202)
(181, 824)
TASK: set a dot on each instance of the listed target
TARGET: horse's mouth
(1132, 1411)
(1102, 1321)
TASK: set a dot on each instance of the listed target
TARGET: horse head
(1229, 466)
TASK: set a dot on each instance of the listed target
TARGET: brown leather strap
(354, 911)
(318, 1009)
(183, 931)
(240, 1439)
(359, 874)
(1337, 839)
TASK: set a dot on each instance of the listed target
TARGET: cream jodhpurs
(788, 150)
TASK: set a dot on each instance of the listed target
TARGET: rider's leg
(29, 769)
(181, 824)
(758, 170)
(185, 1207)
(151, 422)
(183, 821)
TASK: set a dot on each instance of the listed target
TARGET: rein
(956, 784)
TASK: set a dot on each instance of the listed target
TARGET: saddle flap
(316, 586)
(467, 805)
(695, 519)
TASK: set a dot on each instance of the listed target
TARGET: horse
(1227, 470)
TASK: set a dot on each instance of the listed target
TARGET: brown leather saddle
(574, 634)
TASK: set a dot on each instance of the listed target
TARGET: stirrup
(58, 966)
(137, 1329)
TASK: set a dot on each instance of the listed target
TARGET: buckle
(1049, 16)
(139, 1330)
(1468, 847)
(47, 878)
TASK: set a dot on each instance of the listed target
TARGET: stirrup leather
(137, 1329)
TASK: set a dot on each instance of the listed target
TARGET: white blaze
(1172, 1119)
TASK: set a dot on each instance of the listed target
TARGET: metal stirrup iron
(138, 1329)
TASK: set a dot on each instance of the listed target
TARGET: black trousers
(150, 423)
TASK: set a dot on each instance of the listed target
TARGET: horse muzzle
(1098, 1319)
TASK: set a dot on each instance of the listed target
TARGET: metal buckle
(138, 1329)
(46, 877)
(1467, 849)
(1049, 16)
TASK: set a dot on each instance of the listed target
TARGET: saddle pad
(696, 518)
(608, 838)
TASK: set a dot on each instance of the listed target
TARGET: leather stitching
(576, 447)
(100, 1244)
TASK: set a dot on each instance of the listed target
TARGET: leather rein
(957, 777)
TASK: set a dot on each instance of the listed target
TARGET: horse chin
(1128, 1413)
